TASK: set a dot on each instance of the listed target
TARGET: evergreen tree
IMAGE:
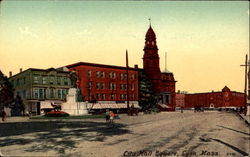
(6, 92)
(147, 99)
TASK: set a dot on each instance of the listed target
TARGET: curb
(242, 118)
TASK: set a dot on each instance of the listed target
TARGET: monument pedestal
(71, 106)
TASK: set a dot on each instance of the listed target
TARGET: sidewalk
(14, 119)
(245, 118)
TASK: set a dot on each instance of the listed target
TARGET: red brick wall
(218, 99)
(84, 79)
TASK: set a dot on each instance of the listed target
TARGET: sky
(206, 41)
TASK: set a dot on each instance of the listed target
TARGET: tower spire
(149, 21)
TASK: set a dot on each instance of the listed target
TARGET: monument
(72, 106)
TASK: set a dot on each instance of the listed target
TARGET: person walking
(112, 116)
(3, 115)
(107, 115)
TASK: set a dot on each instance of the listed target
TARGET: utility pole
(245, 88)
(128, 108)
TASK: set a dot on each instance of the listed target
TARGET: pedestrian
(112, 116)
(107, 115)
(3, 114)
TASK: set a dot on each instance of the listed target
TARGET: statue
(73, 79)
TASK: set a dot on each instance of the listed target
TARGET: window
(110, 75)
(59, 93)
(97, 73)
(125, 76)
(125, 96)
(17, 82)
(125, 87)
(103, 74)
(64, 93)
(41, 95)
(121, 86)
(89, 84)
(44, 80)
(97, 96)
(112, 96)
(44, 92)
(103, 86)
(52, 93)
(97, 85)
(132, 86)
(103, 96)
(35, 93)
(35, 79)
(113, 75)
(121, 96)
(51, 79)
(132, 77)
(89, 73)
(24, 80)
(121, 76)
(65, 80)
(112, 86)
(59, 80)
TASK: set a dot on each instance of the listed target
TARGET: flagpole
(128, 108)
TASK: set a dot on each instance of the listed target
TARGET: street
(208, 133)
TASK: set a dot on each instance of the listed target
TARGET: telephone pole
(128, 108)
(245, 88)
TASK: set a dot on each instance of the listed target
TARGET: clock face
(147, 42)
(153, 43)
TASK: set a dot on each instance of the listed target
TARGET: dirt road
(164, 134)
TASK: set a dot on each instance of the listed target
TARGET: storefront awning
(110, 106)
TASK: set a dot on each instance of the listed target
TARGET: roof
(44, 70)
(150, 33)
(99, 65)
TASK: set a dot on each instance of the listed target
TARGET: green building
(39, 88)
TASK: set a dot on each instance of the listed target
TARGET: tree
(147, 99)
(18, 108)
(6, 92)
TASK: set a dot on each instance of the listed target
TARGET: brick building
(225, 98)
(163, 83)
(106, 85)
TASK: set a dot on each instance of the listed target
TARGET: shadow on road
(233, 130)
(57, 136)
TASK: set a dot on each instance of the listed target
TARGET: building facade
(163, 83)
(225, 98)
(38, 88)
(105, 86)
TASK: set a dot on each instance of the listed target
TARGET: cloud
(26, 31)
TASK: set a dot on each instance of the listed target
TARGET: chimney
(136, 66)
(10, 74)
(21, 70)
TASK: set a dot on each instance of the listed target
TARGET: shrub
(57, 114)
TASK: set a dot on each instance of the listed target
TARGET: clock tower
(151, 59)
